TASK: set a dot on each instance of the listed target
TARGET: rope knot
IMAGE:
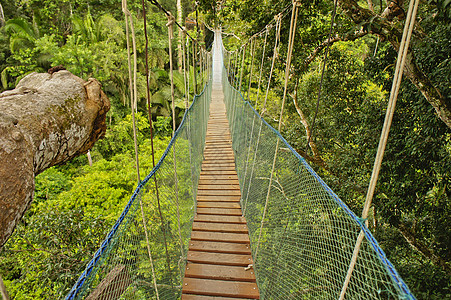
(170, 24)
(297, 3)
(171, 20)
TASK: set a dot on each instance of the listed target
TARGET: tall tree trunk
(3, 291)
(180, 39)
(2, 16)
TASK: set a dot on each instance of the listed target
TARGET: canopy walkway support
(305, 234)
(219, 261)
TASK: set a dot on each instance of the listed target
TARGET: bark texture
(47, 120)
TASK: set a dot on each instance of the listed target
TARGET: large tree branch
(347, 37)
(47, 120)
(410, 237)
(388, 31)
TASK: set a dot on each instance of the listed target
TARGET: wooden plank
(219, 192)
(220, 288)
(218, 159)
(219, 247)
(219, 166)
(219, 138)
(219, 177)
(219, 219)
(220, 227)
(201, 297)
(238, 238)
(218, 172)
(219, 135)
(219, 211)
(201, 198)
(224, 259)
(219, 162)
(218, 145)
(218, 187)
(222, 143)
(219, 156)
(218, 204)
(219, 272)
(230, 155)
(218, 181)
(218, 150)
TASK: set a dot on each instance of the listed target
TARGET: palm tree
(22, 34)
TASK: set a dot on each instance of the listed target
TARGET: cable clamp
(362, 220)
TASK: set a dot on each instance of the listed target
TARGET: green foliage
(48, 251)
(73, 210)
(414, 184)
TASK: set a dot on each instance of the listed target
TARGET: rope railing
(121, 267)
(302, 236)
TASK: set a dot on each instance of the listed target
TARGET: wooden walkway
(219, 252)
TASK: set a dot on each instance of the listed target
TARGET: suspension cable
(133, 96)
(170, 24)
(275, 55)
(292, 33)
(253, 46)
(168, 13)
(400, 62)
(253, 123)
(332, 20)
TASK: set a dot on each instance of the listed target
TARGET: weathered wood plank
(220, 288)
(218, 181)
(210, 158)
(225, 198)
(218, 177)
(224, 259)
(218, 204)
(219, 192)
(218, 187)
(228, 152)
(219, 247)
(201, 297)
(219, 211)
(219, 272)
(219, 219)
(218, 167)
(218, 172)
(219, 163)
(238, 238)
(220, 227)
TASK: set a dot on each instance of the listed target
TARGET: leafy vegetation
(75, 205)
(410, 215)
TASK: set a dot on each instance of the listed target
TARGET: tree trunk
(2, 16)
(180, 41)
(47, 120)
(393, 34)
(3, 291)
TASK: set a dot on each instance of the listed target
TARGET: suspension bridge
(232, 211)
